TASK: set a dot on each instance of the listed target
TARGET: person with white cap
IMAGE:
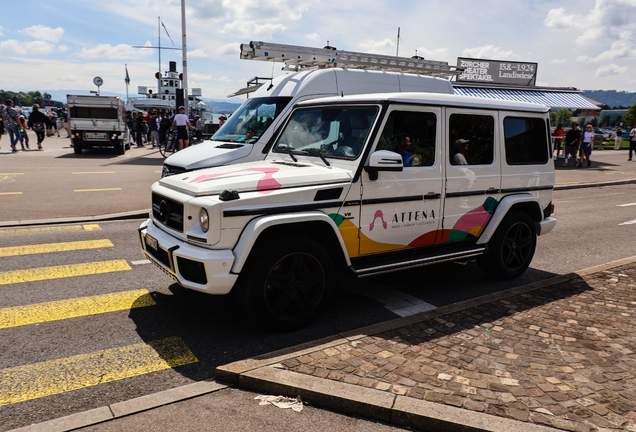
(461, 146)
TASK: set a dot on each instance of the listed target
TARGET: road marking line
(28, 382)
(96, 190)
(63, 271)
(10, 193)
(54, 247)
(2, 174)
(625, 205)
(72, 308)
(89, 227)
(96, 172)
(631, 222)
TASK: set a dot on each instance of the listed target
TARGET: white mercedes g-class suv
(367, 184)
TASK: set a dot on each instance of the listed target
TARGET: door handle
(432, 195)
(492, 191)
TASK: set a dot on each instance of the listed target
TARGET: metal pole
(184, 54)
(398, 43)
(159, 37)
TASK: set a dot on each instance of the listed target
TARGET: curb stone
(135, 214)
(125, 408)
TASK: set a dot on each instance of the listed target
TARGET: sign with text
(497, 72)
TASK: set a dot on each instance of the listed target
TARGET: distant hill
(612, 98)
(221, 106)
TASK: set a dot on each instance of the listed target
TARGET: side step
(368, 269)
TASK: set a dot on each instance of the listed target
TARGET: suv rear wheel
(287, 283)
(511, 248)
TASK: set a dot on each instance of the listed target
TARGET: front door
(402, 210)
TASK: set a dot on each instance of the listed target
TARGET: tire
(286, 283)
(511, 248)
(120, 148)
(77, 147)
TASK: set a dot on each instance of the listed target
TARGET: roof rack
(297, 58)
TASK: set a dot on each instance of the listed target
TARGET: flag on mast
(127, 77)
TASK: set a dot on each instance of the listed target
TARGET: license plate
(151, 242)
(93, 135)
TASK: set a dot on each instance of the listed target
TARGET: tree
(594, 122)
(630, 116)
(563, 116)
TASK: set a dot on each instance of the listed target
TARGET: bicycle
(169, 144)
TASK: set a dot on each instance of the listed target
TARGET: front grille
(193, 271)
(168, 212)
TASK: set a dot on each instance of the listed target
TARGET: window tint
(412, 135)
(94, 113)
(526, 141)
(471, 139)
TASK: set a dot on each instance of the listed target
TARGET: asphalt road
(103, 351)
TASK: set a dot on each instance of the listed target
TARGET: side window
(471, 139)
(412, 135)
(526, 141)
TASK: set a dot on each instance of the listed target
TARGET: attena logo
(378, 214)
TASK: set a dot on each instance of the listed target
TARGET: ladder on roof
(297, 58)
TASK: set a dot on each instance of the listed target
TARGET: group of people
(154, 126)
(16, 123)
(579, 144)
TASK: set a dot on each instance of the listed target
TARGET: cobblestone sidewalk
(562, 356)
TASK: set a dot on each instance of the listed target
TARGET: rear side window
(412, 135)
(471, 139)
(526, 141)
(94, 113)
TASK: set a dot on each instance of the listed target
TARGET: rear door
(473, 172)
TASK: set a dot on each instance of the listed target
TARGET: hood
(263, 176)
(208, 153)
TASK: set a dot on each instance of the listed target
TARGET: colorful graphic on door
(471, 225)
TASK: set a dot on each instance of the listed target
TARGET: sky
(61, 45)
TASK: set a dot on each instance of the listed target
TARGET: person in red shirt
(558, 135)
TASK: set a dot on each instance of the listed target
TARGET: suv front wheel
(511, 248)
(286, 283)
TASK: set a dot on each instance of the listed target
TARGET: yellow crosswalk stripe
(54, 247)
(28, 382)
(63, 271)
(38, 230)
(73, 308)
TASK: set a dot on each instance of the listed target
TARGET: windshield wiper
(288, 150)
(317, 153)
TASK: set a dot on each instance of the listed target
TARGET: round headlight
(204, 220)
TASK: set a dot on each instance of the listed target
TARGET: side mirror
(383, 160)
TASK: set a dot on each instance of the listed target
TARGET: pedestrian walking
(585, 150)
(1, 122)
(572, 141)
(182, 122)
(52, 114)
(558, 135)
(140, 128)
(24, 137)
(632, 142)
(618, 139)
(154, 130)
(198, 127)
(39, 123)
(11, 123)
(65, 122)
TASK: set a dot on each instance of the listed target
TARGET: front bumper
(191, 266)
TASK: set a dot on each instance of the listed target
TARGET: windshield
(330, 131)
(251, 120)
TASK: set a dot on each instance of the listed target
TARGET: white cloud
(121, 51)
(198, 53)
(386, 46)
(62, 48)
(433, 54)
(229, 48)
(609, 70)
(252, 29)
(559, 61)
(275, 10)
(1, 34)
(41, 32)
(489, 52)
(312, 36)
(557, 19)
(34, 48)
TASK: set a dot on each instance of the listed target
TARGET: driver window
(411, 134)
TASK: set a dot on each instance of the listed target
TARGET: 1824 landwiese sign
(497, 72)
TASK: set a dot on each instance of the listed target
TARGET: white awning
(553, 99)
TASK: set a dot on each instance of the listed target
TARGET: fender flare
(257, 226)
(502, 210)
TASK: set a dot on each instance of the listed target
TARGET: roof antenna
(398, 44)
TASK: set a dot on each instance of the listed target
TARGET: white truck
(315, 72)
(97, 122)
